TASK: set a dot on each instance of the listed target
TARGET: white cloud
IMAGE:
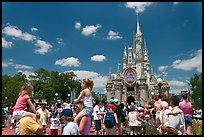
(177, 83)
(138, 6)
(19, 66)
(15, 32)
(99, 81)
(77, 25)
(6, 44)
(113, 35)
(189, 64)
(27, 73)
(90, 30)
(176, 3)
(71, 61)
(43, 47)
(60, 41)
(162, 68)
(99, 58)
(4, 64)
(34, 29)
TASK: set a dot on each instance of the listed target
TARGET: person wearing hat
(54, 124)
(115, 104)
(110, 131)
(44, 115)
(70, 128)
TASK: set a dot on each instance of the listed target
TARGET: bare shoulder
(87, 92)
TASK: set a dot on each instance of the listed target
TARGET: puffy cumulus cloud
(138, 6)
(43, 47)
(189, 64)
(27, 73)
(113, 35)
(77, 25)
(162, 68)
(6, 44)
(99, 81)
(99, 58)
(70, 62)
(177, 83)
(16, 32)
(34, 29)
(90, 30)
(20, 66)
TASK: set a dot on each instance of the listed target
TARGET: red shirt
(21, 103)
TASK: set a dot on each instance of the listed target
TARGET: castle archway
(130, 99)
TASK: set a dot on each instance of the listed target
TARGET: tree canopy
(45, 84)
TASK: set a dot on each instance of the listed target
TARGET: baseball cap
(111, 101)
(66, 113)
(115, 100)
(110, 106)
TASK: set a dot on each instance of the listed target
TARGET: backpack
(109, 121)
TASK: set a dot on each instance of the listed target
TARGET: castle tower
(124, 58)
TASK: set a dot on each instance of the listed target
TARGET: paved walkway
(8, 131)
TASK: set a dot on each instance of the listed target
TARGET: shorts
(18, 114)
(53, 131)
(188, 120)
(98, 124)
(88, 111)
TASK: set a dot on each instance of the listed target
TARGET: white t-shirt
(71, 129)
(54, 123)
(96, 116)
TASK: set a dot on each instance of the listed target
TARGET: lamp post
(56, 94)
(68, 97)
(6, 99)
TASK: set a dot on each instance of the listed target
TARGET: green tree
(196, 87)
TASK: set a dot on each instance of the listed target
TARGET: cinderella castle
(136, 82)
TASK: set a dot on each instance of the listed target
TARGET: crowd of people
(108, 118)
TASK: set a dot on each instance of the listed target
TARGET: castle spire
(138, 33)
(124, 53)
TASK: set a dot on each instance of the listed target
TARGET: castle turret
(124, 58)
(138, 41)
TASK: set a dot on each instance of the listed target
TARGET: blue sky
(89, 38)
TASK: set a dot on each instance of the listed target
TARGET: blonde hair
(26, 89)
(89, 83)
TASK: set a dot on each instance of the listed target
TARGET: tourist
(85, 122)
(157, 109)
(187, 110)
(97, 117)
(132, 118)
(29, 126)
(25, 94)
(164, 118)
(110, 120)
(103, 110)
(86, 96)
(44, 115)
(120, 117)
(54, 124)
(176, 124)
(11, 116)
(71, 128)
